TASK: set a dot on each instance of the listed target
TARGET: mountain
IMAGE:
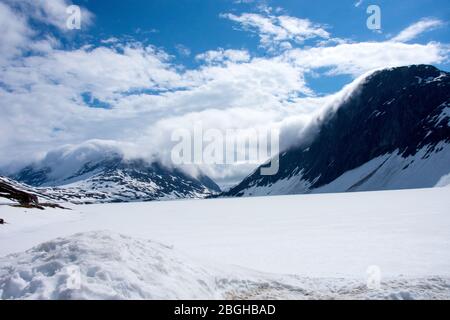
(392, 132)
(16, 193)
(82, 177)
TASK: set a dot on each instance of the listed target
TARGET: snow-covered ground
(304, 246)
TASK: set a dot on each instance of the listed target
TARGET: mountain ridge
(115, 179)
(399, 111)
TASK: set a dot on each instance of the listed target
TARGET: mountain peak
(401, 112)
(111, 177)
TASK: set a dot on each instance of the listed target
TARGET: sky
(137, 70)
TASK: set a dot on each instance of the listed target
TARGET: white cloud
(243, 1)
(14, 32)
(276, 30)
(418, 28)
(19, 36)
(358, 3)
(103, 71)
(50, 12)
(183, 50)
(220, 55)
(357, 58)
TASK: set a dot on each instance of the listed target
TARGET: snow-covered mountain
(392, 132)
(84, 176)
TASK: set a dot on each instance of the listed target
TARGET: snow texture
(304, 247)
(105, 265)
(444, 181)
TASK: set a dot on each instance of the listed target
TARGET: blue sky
(137, 70)
(197, 26)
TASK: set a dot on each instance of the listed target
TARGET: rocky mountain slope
(391, 133)
(112, 179)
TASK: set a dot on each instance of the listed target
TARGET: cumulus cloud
(183, 50)
(18, 34)
(220, 55)
(52, 13)
(15, 33)
(414, 30)
(357, 58)
(278, 31)
(358, 3)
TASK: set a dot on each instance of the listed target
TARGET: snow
(444, 181)
(439, 78)
(4, 201)
(303, 246)
(393, 171)
(445, 114)
(112, 267)
(106, 265)
(262, 233)
(387, 172)
(389, 102)
(289, 185)
(114, 187)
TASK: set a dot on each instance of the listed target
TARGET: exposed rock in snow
(12, 192)
(20, 195)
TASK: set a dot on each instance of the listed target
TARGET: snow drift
(106, 265)
(111, 266)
